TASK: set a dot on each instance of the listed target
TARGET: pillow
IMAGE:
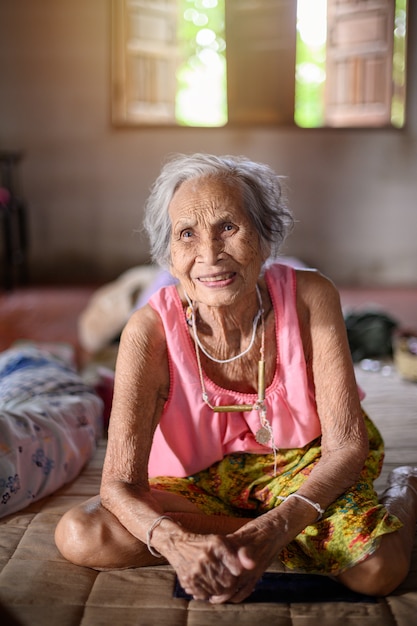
(49, 422)
(110, 307)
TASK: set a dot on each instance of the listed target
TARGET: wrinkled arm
(344, 435)
(141, 387)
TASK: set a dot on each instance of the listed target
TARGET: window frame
(254, 53)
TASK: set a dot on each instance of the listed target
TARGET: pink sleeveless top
(190, 437)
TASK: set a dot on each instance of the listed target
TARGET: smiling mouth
(217, 278)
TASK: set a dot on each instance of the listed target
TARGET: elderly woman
(237, 434)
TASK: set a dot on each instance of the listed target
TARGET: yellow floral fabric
(244, 485)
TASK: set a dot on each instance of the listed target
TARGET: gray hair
(260, 186)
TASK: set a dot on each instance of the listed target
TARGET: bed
(38, 587)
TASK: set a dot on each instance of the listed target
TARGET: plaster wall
(353, 193)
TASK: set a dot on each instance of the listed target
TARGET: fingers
(239, 593)
(215, 568)
(233, 563)
(219, 585)
(226, 587)
(198, 594)
(206, 565)
(207, 580)
(247, 562)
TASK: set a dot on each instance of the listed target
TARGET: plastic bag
(370, 334)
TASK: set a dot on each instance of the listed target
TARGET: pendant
(263, 436)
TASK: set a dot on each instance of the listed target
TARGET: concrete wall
(354, 193)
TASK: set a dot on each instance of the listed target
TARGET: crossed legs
(91, 536)
(384, 570)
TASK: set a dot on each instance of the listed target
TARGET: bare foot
(404, 476)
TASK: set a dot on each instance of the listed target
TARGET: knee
(74, 537)
(376, 576)
(384, 577)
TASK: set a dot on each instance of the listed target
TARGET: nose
(211, 247)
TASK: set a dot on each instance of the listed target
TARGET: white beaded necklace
(265, 433)
(191, 318)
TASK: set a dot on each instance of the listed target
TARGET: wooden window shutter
(260, 52)
(144, 61)
(359, 62)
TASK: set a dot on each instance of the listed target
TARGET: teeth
(215, 279)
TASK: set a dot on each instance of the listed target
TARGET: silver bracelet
(315, 505)
(149, 535)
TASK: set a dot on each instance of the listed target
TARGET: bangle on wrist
(315, 505)
(152, 527)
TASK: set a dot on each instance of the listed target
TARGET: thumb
(246, 561)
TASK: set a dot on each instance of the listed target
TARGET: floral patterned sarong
(244, 485)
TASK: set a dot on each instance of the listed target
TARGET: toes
(400, 475)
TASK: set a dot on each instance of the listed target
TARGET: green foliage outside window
(201, 98)
(202, 91)
(399, 69)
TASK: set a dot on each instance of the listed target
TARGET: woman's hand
(255, 550)
(222, 568)
(206, 565)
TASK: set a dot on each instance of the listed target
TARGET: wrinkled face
(215, 248)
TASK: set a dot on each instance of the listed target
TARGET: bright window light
(310, 72)
(201, 98)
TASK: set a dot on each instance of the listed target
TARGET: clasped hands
(219, 568)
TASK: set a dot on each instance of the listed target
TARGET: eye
(186, 233)
(228, 227)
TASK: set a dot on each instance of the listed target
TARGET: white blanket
(49, 422)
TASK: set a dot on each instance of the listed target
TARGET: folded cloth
(49, 422)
